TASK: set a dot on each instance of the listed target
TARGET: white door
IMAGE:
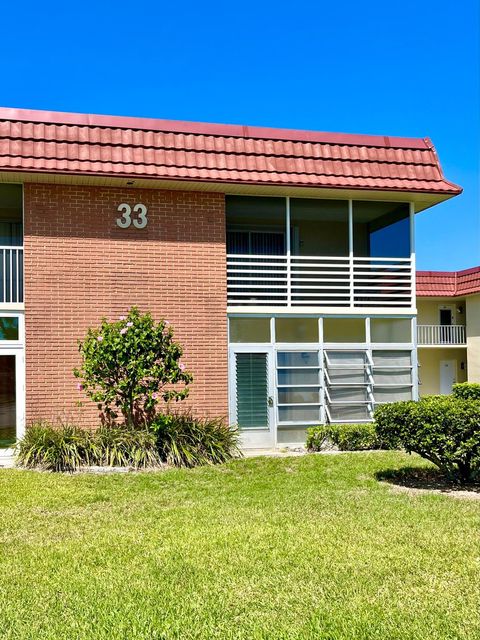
(251, 396)
(12, 396)
(448, 375)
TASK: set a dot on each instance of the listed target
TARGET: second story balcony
(294, 252)
(433, 335)
(11, 244)
(293, 281)
(11, 275)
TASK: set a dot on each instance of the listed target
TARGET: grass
(309, 547)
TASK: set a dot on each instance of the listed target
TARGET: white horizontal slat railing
(11, 275)
(433, 334)
(292, 281)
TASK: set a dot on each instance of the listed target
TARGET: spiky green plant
(122, 446)
(187, 441)
(54, 448)
(67, 447)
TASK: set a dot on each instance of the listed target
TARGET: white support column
(272, 364)
(288, 247)
(321, 373)
(350, 252)
(368, 341)
(272, 330)
(415, 392)
(412, 254)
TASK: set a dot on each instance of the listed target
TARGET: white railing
(292, 281)
(11, 275)
(433, 334)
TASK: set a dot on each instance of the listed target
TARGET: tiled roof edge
(460, 287)
(212, 129)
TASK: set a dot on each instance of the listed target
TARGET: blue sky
(397, 68)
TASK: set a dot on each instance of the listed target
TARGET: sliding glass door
(11, 396)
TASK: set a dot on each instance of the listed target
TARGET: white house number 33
(136, 216)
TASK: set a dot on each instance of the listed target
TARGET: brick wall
(80, 266)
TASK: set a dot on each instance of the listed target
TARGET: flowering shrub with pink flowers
(131, 366)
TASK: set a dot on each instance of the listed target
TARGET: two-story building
(448, 328)
(284, 259)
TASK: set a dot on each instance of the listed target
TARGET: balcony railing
(11, 275)
(315, 281)
(436, 334)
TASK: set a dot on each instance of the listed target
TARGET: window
(381, 229)
(392, 371)
(318, 227)
(249, 329)
(296, 329)
(8, 400)
(391, 330)
(9, 328)
(11, 224)
(298, 387)
(255, 225)
(344, 330)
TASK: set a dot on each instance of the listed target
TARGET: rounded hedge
(442, 429)
(466, 390)
(345, 437)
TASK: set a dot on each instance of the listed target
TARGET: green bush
(62, 448)
(467, 390)
(68, 448)
(186, 441)
(346, 437)
(121, 446)
(131, 365)
(319, 438)
(177, 439)
(442, 429)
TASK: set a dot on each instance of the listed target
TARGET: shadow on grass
(429, 479)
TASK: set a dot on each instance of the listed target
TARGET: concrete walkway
(274, 453)
(6, 459)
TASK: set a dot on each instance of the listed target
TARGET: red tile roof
(68, 143)
(448, 283)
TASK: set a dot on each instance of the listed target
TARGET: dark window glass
(256, 225)
(7, 401)
(8, 328)
(318, 227)
(381, 229)
(11, 227)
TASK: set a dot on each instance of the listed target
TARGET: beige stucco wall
(428, 310)
(429, 372)
(473, 337)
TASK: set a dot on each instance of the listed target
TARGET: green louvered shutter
(252, 390)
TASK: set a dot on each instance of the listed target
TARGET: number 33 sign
(139, 218)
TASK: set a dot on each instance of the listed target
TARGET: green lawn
(310, 547)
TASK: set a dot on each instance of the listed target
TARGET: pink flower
(166, 323)
(182, 367)
(129, 324)
(155, 395)
(122, 317)
(123, 331)
(80, 386)
(99, 338)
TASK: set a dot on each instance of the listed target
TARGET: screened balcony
(293, 252)
(11, 244)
